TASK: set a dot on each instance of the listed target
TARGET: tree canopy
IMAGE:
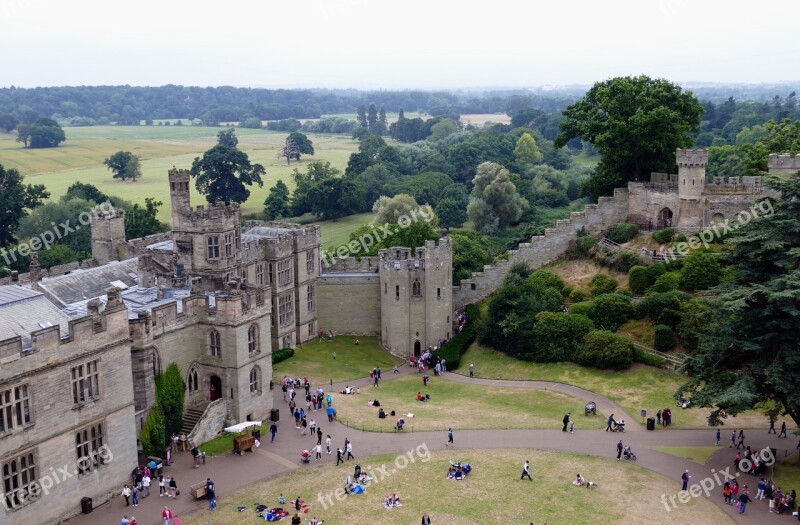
(16, 200)
(223, 174)
(276, 205)
(125, 165)
(495, 202)
(636, 123)
(43, 133)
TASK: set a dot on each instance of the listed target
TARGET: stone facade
(98, 412)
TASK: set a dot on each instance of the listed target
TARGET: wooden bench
(198, 490)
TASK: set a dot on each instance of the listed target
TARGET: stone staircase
(190, 418)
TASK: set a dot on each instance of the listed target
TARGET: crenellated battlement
(691, 157)
(783, 163)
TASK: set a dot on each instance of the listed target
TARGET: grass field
(460, 406)
(492, 493)
(337, 233)
(80, 158)
(641, 387)
(786, 473)
(314, 360)
(696, 454)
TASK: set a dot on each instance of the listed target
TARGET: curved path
(231, 472)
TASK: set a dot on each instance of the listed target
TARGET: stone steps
(190, 418)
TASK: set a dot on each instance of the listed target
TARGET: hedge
(558, 336)
(601, 284)
(611, 311)
(453, 349)
(646, 358)
(282, 355)
(638, 279)
(664, 236)
(622, 232)
(602, 349)
(664, 339)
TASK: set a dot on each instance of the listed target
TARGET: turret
(108, 235)
(691, 173)
(783, 164)
(179, 194)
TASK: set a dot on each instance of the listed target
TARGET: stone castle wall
(349, 303)
(544, 249)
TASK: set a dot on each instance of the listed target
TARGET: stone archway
(215, 388)
(665, 217)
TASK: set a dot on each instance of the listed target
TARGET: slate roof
(82, 284)
(23, 311)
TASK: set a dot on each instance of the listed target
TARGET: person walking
(319, 436)
(328, 444)
(610, 422)
(146, 486)
(162, 490)
(349, 450)
(565, 421)
(471, 370)
(783, 430)
(450, 438)
(426, 520)
(273, 429)
(339, 456)
(212, 498)
(526, 471)
(733, 439)
(719, 434)
(134, 497)
(166, 515)
(312, 427)
(126, 493)
(619, 450)
(658, 418)
(173, 487)
(685, 480)
(744, 498)
(762, 487)
(771, 425)
(318, 451)
(741, 439)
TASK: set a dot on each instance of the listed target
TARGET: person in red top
(166, 515)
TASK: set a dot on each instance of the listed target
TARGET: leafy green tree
(16, 201)
(636, 124)
(153, 435)
(361, 117)
(383, 124)
(89, 192)
(43, 217)
(57, 254)
(333, 198)
(442, 129)
(495, 202)
(124, 164)
(469, 254)
(558, 336)
(228, 138)
(602, 349)
(781, 137)
(638, 279)
(391, 209)
(373, 182)
(701, 271)
(224, 173)
(276, 205)
(170, 392)
(251, 123)
(372, 119)
(315, 173)
(611, 311)
(8, 122)
(302, 142)
(427, 187)
(451, 214)
(527, 153)
(663, 338)
(44, 133)
(602, 284)
(141, 221)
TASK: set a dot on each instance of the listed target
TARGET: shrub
(652, 305)
(586, 243)
(453, 349)
(586, 309)
(621, 232)
(695, 318)
(665, 283)
(542, 279)
(577, 296)
(611, 310)
(602, 349)
(170, 392)
(664, 339)
(567, 291)
(701, 271)
(559, 336)
(282, 355)
(664, 236)
(153, 435)
(601, 284)
(680, 238)
(638, 279)
(640, 356)
(654, 271)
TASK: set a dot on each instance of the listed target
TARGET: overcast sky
(394, 43)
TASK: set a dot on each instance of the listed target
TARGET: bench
(198, 490)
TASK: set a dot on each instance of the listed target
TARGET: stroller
(618, 426)
(627, 453)
(305, 456)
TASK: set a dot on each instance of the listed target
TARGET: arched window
(252, 339)
(192, 382)
(416, 288)
(214, 344)
(255, 380)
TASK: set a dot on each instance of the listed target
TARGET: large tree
(125, 165)
(44, 133)
(8, 122)
(747, 356)
(227, 137)
(495, 202)
(276, 205)
(636, 123)
(16, 199)
(141, 221)
(224, 173)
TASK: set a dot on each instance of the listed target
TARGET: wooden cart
(243, 443)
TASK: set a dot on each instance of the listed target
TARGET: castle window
(310, 298)
(252, 339)
(214, 344)
(284, 272)
(285, 311)
(88, 446)
(385, 288)
(310, 329)
(19, 481)
(310, 262)
(228, 245)
(194, 385)
(255, 380)
(438, 293)
(213, 247)
(416, 288)
(270, 273)
(259, 274)
(15, 408)
(85, 382)
(397, 292)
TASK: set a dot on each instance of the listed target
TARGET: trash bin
(257, 434)
(651, 423)
(274, 415)
(591, 408)
(86, 505)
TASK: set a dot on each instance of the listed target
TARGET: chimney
(93, 307)
(34, 269)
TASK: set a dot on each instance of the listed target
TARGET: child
(281, 500)
(571, 427)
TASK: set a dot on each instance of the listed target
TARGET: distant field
(390, 117)
(479, 119)
(337, 233)
(80, 158)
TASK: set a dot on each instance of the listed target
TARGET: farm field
(80, 158)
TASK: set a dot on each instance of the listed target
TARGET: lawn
(80, 158)
(696, 454)
(641, 387)
(337, 233)
(492, 493)
(786, 473)
(461, 406)
(314, 360)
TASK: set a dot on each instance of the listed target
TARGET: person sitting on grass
(424, 398)
(579, 481)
